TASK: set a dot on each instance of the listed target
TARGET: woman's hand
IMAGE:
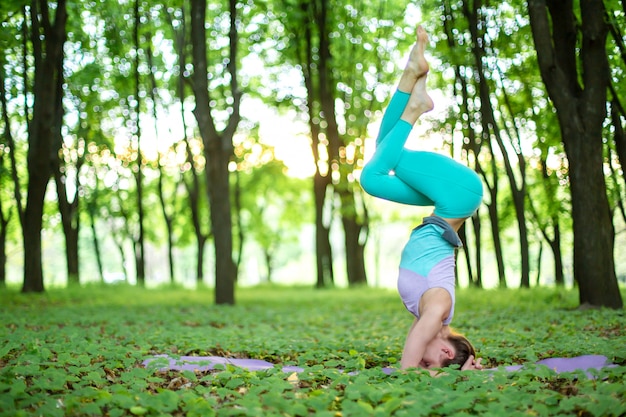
(472, 364)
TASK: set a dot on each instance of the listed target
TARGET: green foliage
(79, 352)
(273, 207)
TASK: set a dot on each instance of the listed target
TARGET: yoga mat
(585, 363)
(207, 363)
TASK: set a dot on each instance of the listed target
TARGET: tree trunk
(492, 207)
(619, 135)
(70, 218)
(323, 248)
(473, 147)
(193, 191)
(553, 220)
(68, 207)
(479, 264)
(354, 249)
(240, 228)
(321, 183)
(617, 109)
(91, 211)
(467, 256)
(119, 243)
(41, 131)
(555, 245)
(17, 187)
(219, 191)
(200, 244)
(269, 261)
(497, 243)
(4, 221)
(5, 218)
(139, 245)
(539, 256)
(168, 216)
(218, 149)
(618, 112)
(580, 102)
(169, 220)
(169, 225)
(193, 185)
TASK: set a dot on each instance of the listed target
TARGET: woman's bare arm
(434, 308)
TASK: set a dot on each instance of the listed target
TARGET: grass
(78, 352)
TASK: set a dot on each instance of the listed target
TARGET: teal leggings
(418, 178)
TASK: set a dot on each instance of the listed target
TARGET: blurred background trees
(136, 134)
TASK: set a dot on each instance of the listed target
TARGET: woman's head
(463, 349)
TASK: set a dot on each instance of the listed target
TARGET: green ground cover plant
(79, 352)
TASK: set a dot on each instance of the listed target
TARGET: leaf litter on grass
(79, 352)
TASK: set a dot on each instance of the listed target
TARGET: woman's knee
(365, 178)
(368, 180)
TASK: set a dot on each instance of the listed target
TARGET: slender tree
(547, 220)
(68, 200)
(191, 175)
(618, 109)
(305, 57)
(6, 142)
(167, 208)
(619, 139)
(473, 146)
(79, 170)
(5, 217)
(92, 214)
(139, 243)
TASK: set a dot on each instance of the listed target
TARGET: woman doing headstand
(427, 267)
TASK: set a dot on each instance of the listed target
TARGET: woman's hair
(462, 347)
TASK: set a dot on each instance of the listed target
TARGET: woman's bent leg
(377, 177)
(417, 178)
(455, 190)
(394, 110)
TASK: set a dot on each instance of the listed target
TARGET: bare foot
(419, 102)
(417, 61)
(417, 66)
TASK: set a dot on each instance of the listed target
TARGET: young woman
(427, 267)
